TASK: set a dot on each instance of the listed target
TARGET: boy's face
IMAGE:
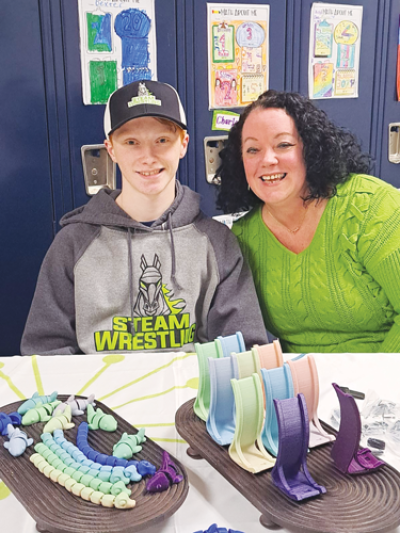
(147, 152)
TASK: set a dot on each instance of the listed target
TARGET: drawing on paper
(103, 80)
(226, 88)
(99, 32)
(323, 80)
(238, 53)
(323, 39)
(133, 26)
(345, 82)
(118, 46)
(223, 44)
(336, 35)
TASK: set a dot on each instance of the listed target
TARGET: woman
(322, 237)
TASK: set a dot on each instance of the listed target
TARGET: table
(147, 389)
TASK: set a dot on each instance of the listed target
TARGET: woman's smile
(273, 177)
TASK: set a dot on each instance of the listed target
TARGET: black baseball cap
(144, 98)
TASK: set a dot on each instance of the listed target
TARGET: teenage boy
(142, 269)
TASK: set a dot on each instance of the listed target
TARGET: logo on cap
(144, 97)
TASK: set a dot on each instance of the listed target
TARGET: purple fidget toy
(144, 468)
(345, 453)
(166, 476)
(290, 473)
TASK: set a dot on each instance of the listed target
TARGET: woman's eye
(285, 145)
(251, 150)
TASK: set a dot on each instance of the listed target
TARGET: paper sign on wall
(334, 52)
(118, 45)
(238, 36)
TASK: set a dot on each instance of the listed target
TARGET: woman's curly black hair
(330, 153)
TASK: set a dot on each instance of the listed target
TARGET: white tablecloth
(147, 389)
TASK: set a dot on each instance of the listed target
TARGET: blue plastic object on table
(232, 343)
(290, 473)
(13, 418)
(143, 467)
(215, 529)
(221, 416)
(278, 384)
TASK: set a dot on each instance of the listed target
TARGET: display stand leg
(42, 529)
(267, 522)
(193, 453)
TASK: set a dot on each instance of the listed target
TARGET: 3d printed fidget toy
(62, 462)
(294, 391)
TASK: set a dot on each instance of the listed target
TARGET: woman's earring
(248, 187)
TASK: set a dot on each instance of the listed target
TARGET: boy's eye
(130, 142)
(163, 140)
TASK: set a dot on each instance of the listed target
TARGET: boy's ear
(110, 149)
(184, 145)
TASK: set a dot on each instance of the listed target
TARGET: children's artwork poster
(334, 55)
(238, 48)
(118, 45)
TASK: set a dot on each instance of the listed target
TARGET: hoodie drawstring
(131, 325)
(173, 274)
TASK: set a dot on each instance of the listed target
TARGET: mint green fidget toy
(220, 347)
(204, 351)
(246, 364)
(247, 449)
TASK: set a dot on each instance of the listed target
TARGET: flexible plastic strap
(278, 384)
(345, 453)
(247, 449)
(221, 416)
(246, 364)
(232, 343)
(204, 351)
(270, 355)
(290, 473)
(305, 380)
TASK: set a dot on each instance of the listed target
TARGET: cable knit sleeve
(377, 243)
(387, 274)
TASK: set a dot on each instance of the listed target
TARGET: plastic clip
(278, 385)
(270, 355)
(221, 416)
(247, 449)
(232, 343)
(290, 473)
(305, 380)
(246, 364)
(204, 352)
(345, 453)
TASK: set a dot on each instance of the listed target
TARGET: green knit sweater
(342, 293)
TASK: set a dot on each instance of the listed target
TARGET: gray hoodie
(111, 284)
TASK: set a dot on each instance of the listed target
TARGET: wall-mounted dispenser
(394, 142)
(212, 146)
(98, 169)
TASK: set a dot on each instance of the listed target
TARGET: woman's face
(272, 154)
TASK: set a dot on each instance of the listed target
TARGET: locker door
(26, 207)
(391, 107)
(199, 117)
(85, 123)
(359, 115)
